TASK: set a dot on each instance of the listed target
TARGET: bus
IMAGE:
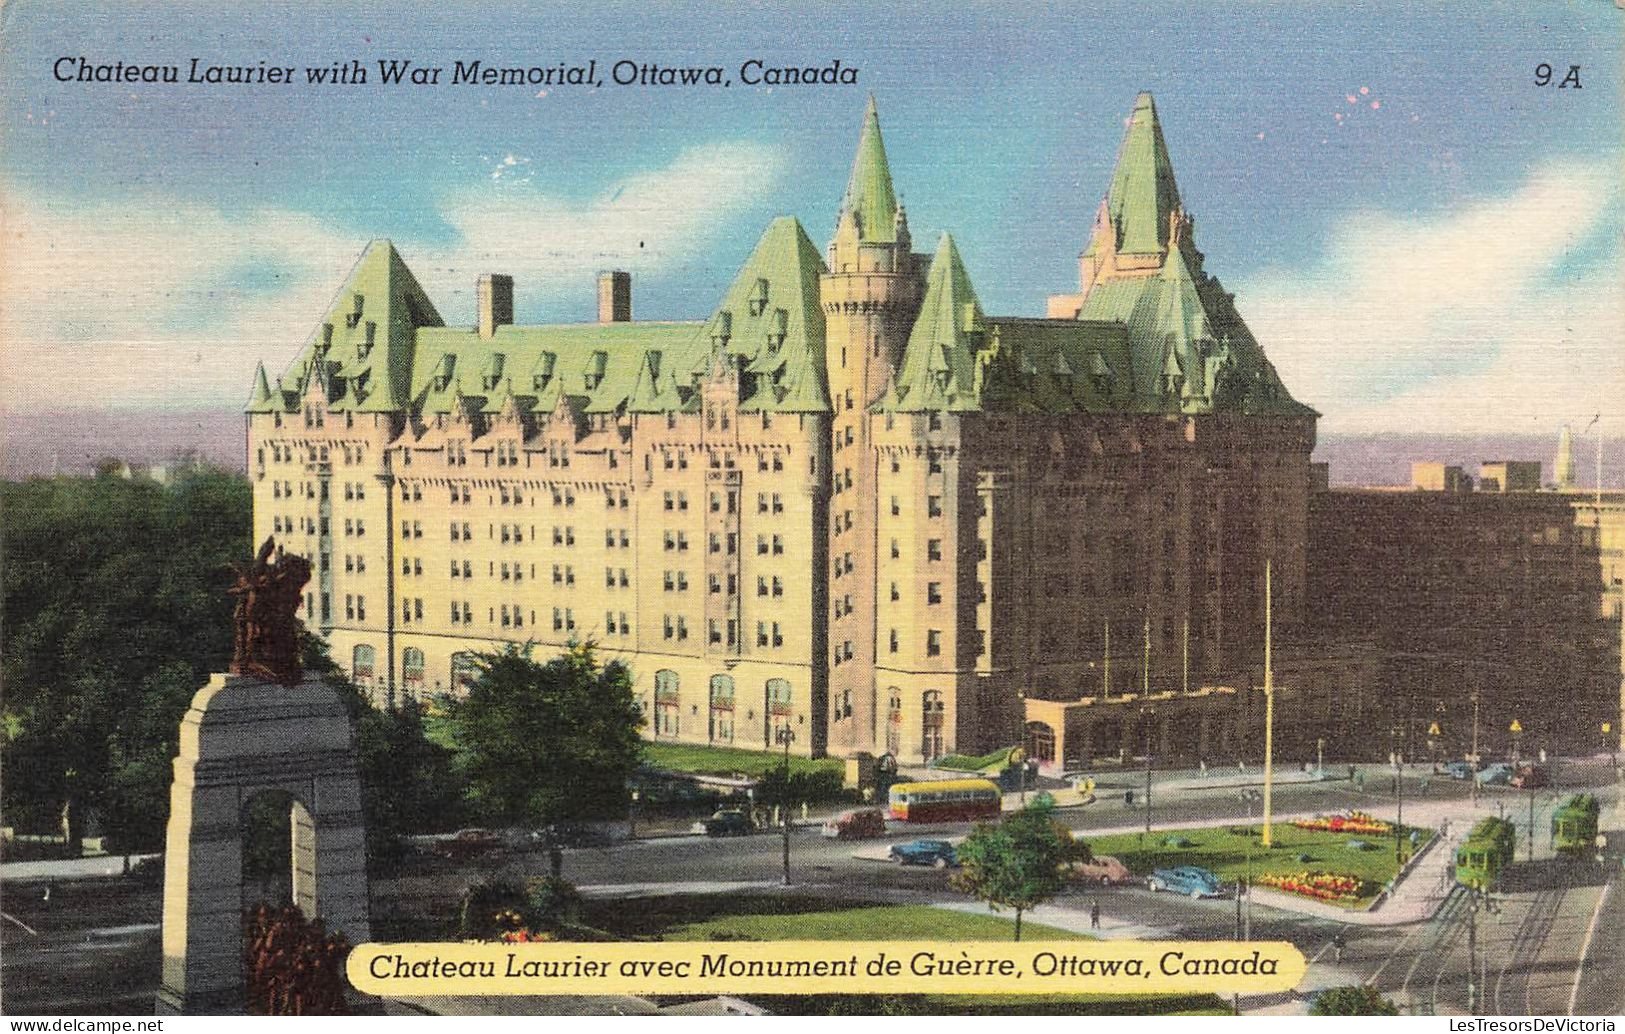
(1487, 850)
(1574, 826)
(949, 800)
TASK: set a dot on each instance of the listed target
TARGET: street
(94, 944)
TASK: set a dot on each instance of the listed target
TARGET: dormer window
(327, 336)
(724, 329)
(758, 298)
(776, 332)
(595, 370)
(365, 347)
(354, 316)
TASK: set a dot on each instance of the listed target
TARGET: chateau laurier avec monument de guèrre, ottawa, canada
(847, 501)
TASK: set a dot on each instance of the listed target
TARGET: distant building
(1427, 476)
(1502, 595)
(1563, 466)
(1509, 476)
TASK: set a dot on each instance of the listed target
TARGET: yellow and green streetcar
(1487, 850)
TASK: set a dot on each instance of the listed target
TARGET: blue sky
(1402, 263)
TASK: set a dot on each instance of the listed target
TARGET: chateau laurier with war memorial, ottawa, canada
(847, 500)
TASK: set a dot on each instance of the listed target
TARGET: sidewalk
(68, 868)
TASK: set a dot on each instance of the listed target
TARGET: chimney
(494, 297)
(614, 296)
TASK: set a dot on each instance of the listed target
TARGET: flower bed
(1353, 822)
(1322, 886)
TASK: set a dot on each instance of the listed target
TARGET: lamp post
(1397, 757)
(1269, 703)
(1246, 926)
(1472, 949)
(786, 736)
(1149, 716)
(1474, 759)
(632, 816)
(1516, 729)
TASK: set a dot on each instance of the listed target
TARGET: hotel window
(895, 594)
(933, 462)
(558, 620)
(412, 670)
(896, 550)
(933, 506)
(894, 640)
(778, 586)
(896, 507)
(778, 545)
(933, 549)
(933, 592)
(349, 607)
(933, 643)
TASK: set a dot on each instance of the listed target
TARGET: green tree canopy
(545, 743)
(1352, 1000)
(115, 614)
(1019, 862)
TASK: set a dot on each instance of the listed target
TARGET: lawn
(727, 761)
(750, 917)
(1225, 850)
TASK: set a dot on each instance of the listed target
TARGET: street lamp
(1149, 715)
(786, 736)
(1516, 729)
(632, 816)
(1244, 928)
(1474, 759)
(1397, 758)
(1472, 948)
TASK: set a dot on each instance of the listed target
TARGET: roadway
(93, 947)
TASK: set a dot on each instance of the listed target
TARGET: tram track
(1527, 942)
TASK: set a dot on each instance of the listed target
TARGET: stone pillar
(242, 737)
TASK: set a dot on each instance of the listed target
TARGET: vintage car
(469, 843)
(1186, 879)
(730, 822)
(1102, 869)
(856, 824)
(938, 853)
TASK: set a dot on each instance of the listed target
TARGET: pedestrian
(1094, 914)
(1338, 943)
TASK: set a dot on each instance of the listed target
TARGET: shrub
(1352, 1000)
(491, 909)
(552, 903)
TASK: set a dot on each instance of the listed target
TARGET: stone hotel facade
(848, 501)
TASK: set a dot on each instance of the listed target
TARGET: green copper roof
(771, 324)
(362, 351)
(261, 401)
(1183, 325)
(1143, 193)
(869, 191)
(938, 370)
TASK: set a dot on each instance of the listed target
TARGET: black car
(730, 823)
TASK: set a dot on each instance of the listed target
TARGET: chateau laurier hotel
(847, 501)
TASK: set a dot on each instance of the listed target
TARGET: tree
(1018, 863)
(115, 615)
(546, 743)
(1352, 1000)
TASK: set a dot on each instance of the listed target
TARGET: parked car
(730, 822)
(856, 824)
(1529, 776)
(1186, 879)
(1498, 774)
(938, 853)
(1460, 769)
(1102, 869)
(469, 843)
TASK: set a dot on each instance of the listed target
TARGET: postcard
(790, 509)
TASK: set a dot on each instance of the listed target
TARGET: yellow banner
(826, 967)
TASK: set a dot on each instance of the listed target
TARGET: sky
(1421, 237)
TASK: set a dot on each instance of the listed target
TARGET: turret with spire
(870, 297)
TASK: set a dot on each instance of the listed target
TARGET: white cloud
(161, 302)
(1464, 321)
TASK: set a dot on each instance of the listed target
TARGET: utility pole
(1475, 750)
(1187, 652)
(1269, 707)
(1149, 716)
(1472, 951)
(786, 736)
(1106, 668)
(1531, 820)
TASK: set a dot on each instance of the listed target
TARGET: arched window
(412, 672)
(666, 703)
(362, 662)
(931, 724)
(465, 672)
(778, 707)
(722, 709)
